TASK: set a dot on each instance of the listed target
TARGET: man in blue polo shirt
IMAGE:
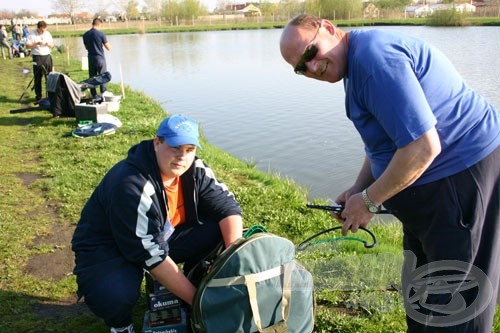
(95, 42)
(432, 149)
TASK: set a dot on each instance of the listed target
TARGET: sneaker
(127, 329)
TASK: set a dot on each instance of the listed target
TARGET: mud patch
(57, 264)
(64, 309)
(28, 178)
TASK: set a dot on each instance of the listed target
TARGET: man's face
(173, 161)
(315, 53)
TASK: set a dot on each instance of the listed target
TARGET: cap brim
(180, 141)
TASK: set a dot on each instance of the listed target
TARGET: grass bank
(46, 176)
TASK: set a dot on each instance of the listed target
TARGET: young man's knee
(113, 291)
(112, 301)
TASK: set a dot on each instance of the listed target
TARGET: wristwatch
(372, 208)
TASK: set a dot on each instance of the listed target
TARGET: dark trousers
(97, 65)
(42, 66)
(112, 295)
(451, 241)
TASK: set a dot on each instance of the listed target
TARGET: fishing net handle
(339, 209)
(306, 243)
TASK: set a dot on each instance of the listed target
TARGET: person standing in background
(95, 42)
(26, 32)
(19, 32)
(4, 43)
(41, 43)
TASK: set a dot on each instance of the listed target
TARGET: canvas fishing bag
(255, 285)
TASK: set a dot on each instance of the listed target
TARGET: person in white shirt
(41, 43)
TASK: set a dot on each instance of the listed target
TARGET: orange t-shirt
(176, 211)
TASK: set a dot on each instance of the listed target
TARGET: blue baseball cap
(179, 130)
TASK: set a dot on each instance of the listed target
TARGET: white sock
(129, 329)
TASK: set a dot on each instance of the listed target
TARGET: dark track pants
(454, 221)
(112, 294)
(42, 66)
(97, 65)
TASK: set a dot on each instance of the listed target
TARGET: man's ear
(156, 142)
(328, 26)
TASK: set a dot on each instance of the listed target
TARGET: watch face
(373, 209)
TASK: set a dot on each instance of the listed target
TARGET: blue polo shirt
(94, 41)
(398, 88)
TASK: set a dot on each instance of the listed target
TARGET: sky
(44, 7)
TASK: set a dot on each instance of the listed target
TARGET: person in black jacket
(159, 207)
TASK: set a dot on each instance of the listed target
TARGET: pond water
(252, 105)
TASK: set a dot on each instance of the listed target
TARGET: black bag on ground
(63, 93)
(255, 285)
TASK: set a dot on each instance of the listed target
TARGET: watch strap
(370, 205)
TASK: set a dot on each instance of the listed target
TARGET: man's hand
(355, 214)
(171, 277)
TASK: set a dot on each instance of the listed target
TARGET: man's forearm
(171, 277)
(231, 228)
(365, 177)
(406, 166)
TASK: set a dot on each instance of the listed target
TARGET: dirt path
(60, 260)
(58, 263)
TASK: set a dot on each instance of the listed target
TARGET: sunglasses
(308, 55)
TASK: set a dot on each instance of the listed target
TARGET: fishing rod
(25, 89)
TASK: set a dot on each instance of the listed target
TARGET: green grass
(356, 287)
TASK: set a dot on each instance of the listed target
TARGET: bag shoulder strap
(286, 297)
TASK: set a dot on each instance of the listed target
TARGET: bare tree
(101, 8)
(26, 13)
(70, 7)
(154, 7)
(127, 8)
(221, 5)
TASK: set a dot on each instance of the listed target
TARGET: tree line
(171, 10)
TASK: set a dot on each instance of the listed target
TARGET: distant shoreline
(143, 27)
